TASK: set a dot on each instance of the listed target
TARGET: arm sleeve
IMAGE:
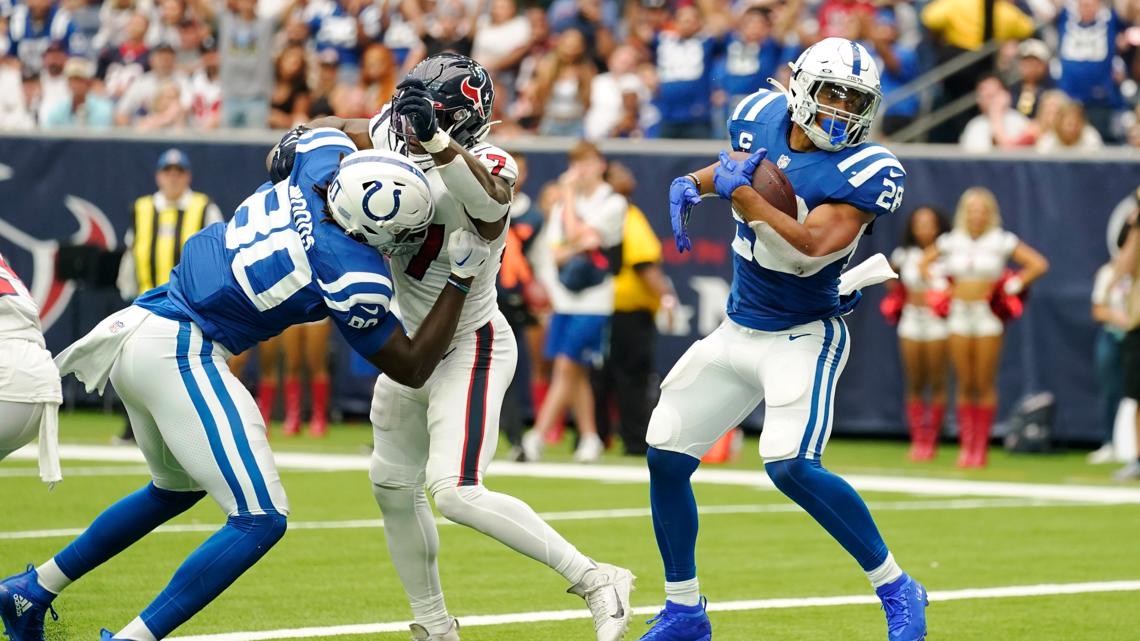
(359, 302)
(461, 182)
(877, 184)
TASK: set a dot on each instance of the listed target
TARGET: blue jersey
(1086, 52)
(770, 290)
(277, 264)
(684, 74)
(747, 66)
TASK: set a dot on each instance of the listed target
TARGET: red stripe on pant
(476, 425)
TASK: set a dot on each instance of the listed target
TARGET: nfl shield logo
(783, 161)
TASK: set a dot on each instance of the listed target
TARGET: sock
(512, 523)
(833, 504)
(266, 394)
(683, 592)
(211, 568)
(292, 389)
(114, 530)
(413, 545)
(886, 573)
(674, 512)
(136, 631)
(319, 391)
(51, 578)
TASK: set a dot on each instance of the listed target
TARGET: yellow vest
(159, 236)
(639, 246)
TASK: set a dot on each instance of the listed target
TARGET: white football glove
(468, 253)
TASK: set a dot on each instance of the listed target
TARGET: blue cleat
(23, 604)
(107, 635)
(904, 601)
(680, 623)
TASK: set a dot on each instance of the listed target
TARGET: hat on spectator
(77, 67)
(173, 157)
(328, 57)
(56, 45)
(1034, 48)
(655, 4)
(164, 46)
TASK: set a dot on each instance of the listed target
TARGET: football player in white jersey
(29, 380)
(445, 434)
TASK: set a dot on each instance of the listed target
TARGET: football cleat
(107, 635)
(23, 604)
(590, 449)
(904, 601)
(606, 590)
(1130, 472)
(420, 633)
(680, 623)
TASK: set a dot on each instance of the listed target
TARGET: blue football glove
(281, 164)
(415, 103)
(682, 196)
(730, 175)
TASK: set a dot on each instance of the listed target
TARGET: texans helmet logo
(475, 95)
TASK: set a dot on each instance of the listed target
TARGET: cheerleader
(975, 255)
(922, 331)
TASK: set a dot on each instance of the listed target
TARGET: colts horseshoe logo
(475, 95)
(374, 187)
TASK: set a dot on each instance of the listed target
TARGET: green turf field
(331, 569)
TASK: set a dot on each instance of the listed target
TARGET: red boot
(916, 422)
(266, 394)
(934, 428)
(983, 426)
(965, 435)
(319, 425)
(292, 407)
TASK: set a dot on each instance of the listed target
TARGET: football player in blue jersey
(784, 341)
(305, 248)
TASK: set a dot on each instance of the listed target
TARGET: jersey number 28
(891, 197)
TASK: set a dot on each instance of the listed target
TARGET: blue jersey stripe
(828, 332)
(208, 423)
(237, 428)
(857, 62)
(827, 398)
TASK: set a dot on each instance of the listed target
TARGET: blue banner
(59, 191)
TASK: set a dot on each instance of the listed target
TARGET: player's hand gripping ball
(682, 197)
(468, 253)
(415, 103)
(731, 174)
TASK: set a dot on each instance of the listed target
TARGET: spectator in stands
(290, 101)
(641, 289)
(449, 30)
(84, 16)
(1049, 111)
(34, 26)
(541, 44)
(167, 110)
(123, 63)
(1033, 77)
(82, 108)
(561, 89)
(193, 38)
(386, 22)
(15, 113)
(616, 97)
(999, 125)
(336, 25)
(1127, 264)
(685, 60)
(835, 16)
(1088, 31)
(502, 39)
(1110, 311)
(206, 91)
(378, 77)
(325, 84)
(245, 44)
(164, 26)
(113, 18)
(53, 84)
(589, 18)
(752, 54)
(1071, 133)
(898, 65)
(584, 234)
(961, 26)
(152, 92)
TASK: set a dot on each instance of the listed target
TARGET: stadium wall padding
(58, 191)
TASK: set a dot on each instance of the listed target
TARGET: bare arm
(827, 229)
(411, 361)
(928, 257)
(355, 128)
(1033, 264)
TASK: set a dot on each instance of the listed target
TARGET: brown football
(772, 184)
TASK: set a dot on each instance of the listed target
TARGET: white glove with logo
(468, 253)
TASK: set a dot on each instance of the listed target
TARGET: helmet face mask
(835, 109)
(463, 95)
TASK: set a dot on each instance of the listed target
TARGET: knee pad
(670, 466)
(453, 501)
(268, 528)
(664, 426)
(175, 498)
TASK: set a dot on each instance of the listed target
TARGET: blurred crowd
(1065, 76)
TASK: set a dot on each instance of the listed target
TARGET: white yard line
(724, 606)
(638, 474)
(590, 515)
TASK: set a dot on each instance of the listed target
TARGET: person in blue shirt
(899, 65)
(1087, 31)
(785, 341)
(32, 27)
(304, 248)
(752, 54)
(334, 26)
(685, 60)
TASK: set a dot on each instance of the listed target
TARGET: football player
(784, 341)
(445, 434)
(296, 251)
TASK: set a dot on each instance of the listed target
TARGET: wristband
(438, 142)
(466, 289)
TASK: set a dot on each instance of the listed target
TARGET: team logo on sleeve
(475, 95)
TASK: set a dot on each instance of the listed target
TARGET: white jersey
(421, 276)
(27, 373)
(19, 315)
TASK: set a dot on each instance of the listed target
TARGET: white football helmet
(834, 93)
(383, 199)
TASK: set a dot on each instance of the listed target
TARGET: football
(772, 184)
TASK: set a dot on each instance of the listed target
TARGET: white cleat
(590, 449)
(1130, 472)
(420, 633)
(1106, 454)
(532, 446)
(606, 590)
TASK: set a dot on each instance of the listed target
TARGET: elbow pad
(461, 182)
